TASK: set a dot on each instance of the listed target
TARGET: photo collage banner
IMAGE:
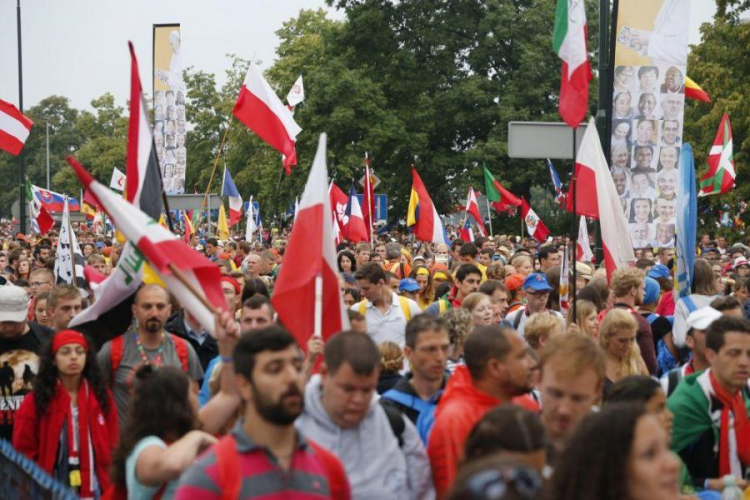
(648, 108)
(170, 92)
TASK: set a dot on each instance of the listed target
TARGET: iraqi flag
(261, 110)
(534, 224)
(583, 247)
(111, 314)
(311, 254)
(569, 42)
(143, 187)
(229, 191)
(14, 128)
(422, 213)
(355, 229)
(165, 251)
(597, 198)
(472, 207)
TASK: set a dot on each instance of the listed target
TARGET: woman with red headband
(68, 423)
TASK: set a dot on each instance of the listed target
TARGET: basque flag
(229, 191)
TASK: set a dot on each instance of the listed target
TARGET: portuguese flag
(569, 42)
(502, 200)
(721, 174)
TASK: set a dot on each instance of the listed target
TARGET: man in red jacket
(497, 369)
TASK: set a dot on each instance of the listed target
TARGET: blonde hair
(518, 259)
(625, 279)
(617, 320)
(391, 357)
(539, 328)
(496, 271)
(584, 308)
(472, 300)
(459, 323)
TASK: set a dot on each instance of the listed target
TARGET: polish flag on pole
(229, 190)
(261, 110)
(472, 207)
(306, 296)
(597, 197)
(534, 224)
(14, 128)
(569, 42)
(355, 230)
(193, 279)
(583, 247)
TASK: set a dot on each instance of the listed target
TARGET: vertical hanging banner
(648, 109)
(170, 92)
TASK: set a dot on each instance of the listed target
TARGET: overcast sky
(78, 48)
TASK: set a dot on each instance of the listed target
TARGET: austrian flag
(14, 128)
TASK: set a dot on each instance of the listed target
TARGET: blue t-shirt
(136, 490)
(205, 393)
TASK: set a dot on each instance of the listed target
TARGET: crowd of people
(462, 376)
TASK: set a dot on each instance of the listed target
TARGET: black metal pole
(574, 188)
(21, 165)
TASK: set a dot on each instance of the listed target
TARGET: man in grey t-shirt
(121, 357)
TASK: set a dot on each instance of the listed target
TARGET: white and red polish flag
(164, 250)
(597, 197)
(261, 110)
(14, 128)
(472, 207)
(309, 254)
(583, 247)
(338, 203)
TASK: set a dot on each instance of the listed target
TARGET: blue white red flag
(54, 202)
(466, 233)
(559, 195)
(229, 191)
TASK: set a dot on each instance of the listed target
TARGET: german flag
(694, 91)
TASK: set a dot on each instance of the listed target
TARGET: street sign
(381, 206)
(374, 179)
(541, 140)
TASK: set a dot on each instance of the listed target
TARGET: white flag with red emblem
(534, 224)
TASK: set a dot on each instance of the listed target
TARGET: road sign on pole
(542, 140)
(375, 180)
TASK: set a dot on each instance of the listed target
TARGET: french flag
(229, 191)
(261, 110)
(355, 231)
(466, 233)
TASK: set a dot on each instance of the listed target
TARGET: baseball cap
(408, 285)
(703, 317)
(740, 261)
(14, 303)
(658, 271)
(537, 282)
(514, 282)
(651, 293)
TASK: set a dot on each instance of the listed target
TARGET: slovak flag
(229, 191)
(14, 128)
(559, 195)
(466, 233)
(54, 202)
(472, 207)
(355, 231)
(261, 110)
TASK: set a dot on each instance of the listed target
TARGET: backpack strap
(396, 421)
(116, 349)
(517, 319)
(180, 346)
(228, 467)
(407, 400)
(651, 318)
(405, 307)
(673, 378)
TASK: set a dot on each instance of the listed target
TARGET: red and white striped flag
(534, 224)
(164, 250)
(14, 128)
(368, 198)
(583, 248)
(261, 110)
(472, 207)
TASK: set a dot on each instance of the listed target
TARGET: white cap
(14, 303)
(702, 318)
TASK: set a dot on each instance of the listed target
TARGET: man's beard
(278, 412)
(153, 325)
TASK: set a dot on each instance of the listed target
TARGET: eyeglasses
(540, 293)
(493, 484)
(35, 284)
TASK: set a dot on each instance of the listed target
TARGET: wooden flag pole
(182, 279)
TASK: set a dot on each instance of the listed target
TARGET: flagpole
(318, 327)
(489, 216)
(21, 164)
(70, 243)
(574, 188)
(182, 279)
(216, 163)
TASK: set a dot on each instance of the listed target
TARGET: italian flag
(721, 174)
(502, 200)
(569, 42)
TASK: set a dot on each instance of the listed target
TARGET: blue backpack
(426, 410)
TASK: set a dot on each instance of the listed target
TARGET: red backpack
(118, 346)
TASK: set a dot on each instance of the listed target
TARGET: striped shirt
(309, 475)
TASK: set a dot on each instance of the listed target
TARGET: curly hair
(594, 465)
(458, 322)
(159, 407)
(391, 357)
(45, 384)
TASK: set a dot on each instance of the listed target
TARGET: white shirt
(511, 318)
(391, 325)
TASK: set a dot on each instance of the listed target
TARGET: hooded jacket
(460, 408)
(375, 464)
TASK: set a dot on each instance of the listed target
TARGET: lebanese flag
(311, 254)
(597, 198)
(143, 186)
(338, 202)
(422, 213)
(534, 224)
(368, 198)
(583, 248)
(229, 190)
(14, 128)
(261, 110)
(472, 207)
(165, 251)
(502, 200)
(355, 230)
(721, 174)
(569, 42)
